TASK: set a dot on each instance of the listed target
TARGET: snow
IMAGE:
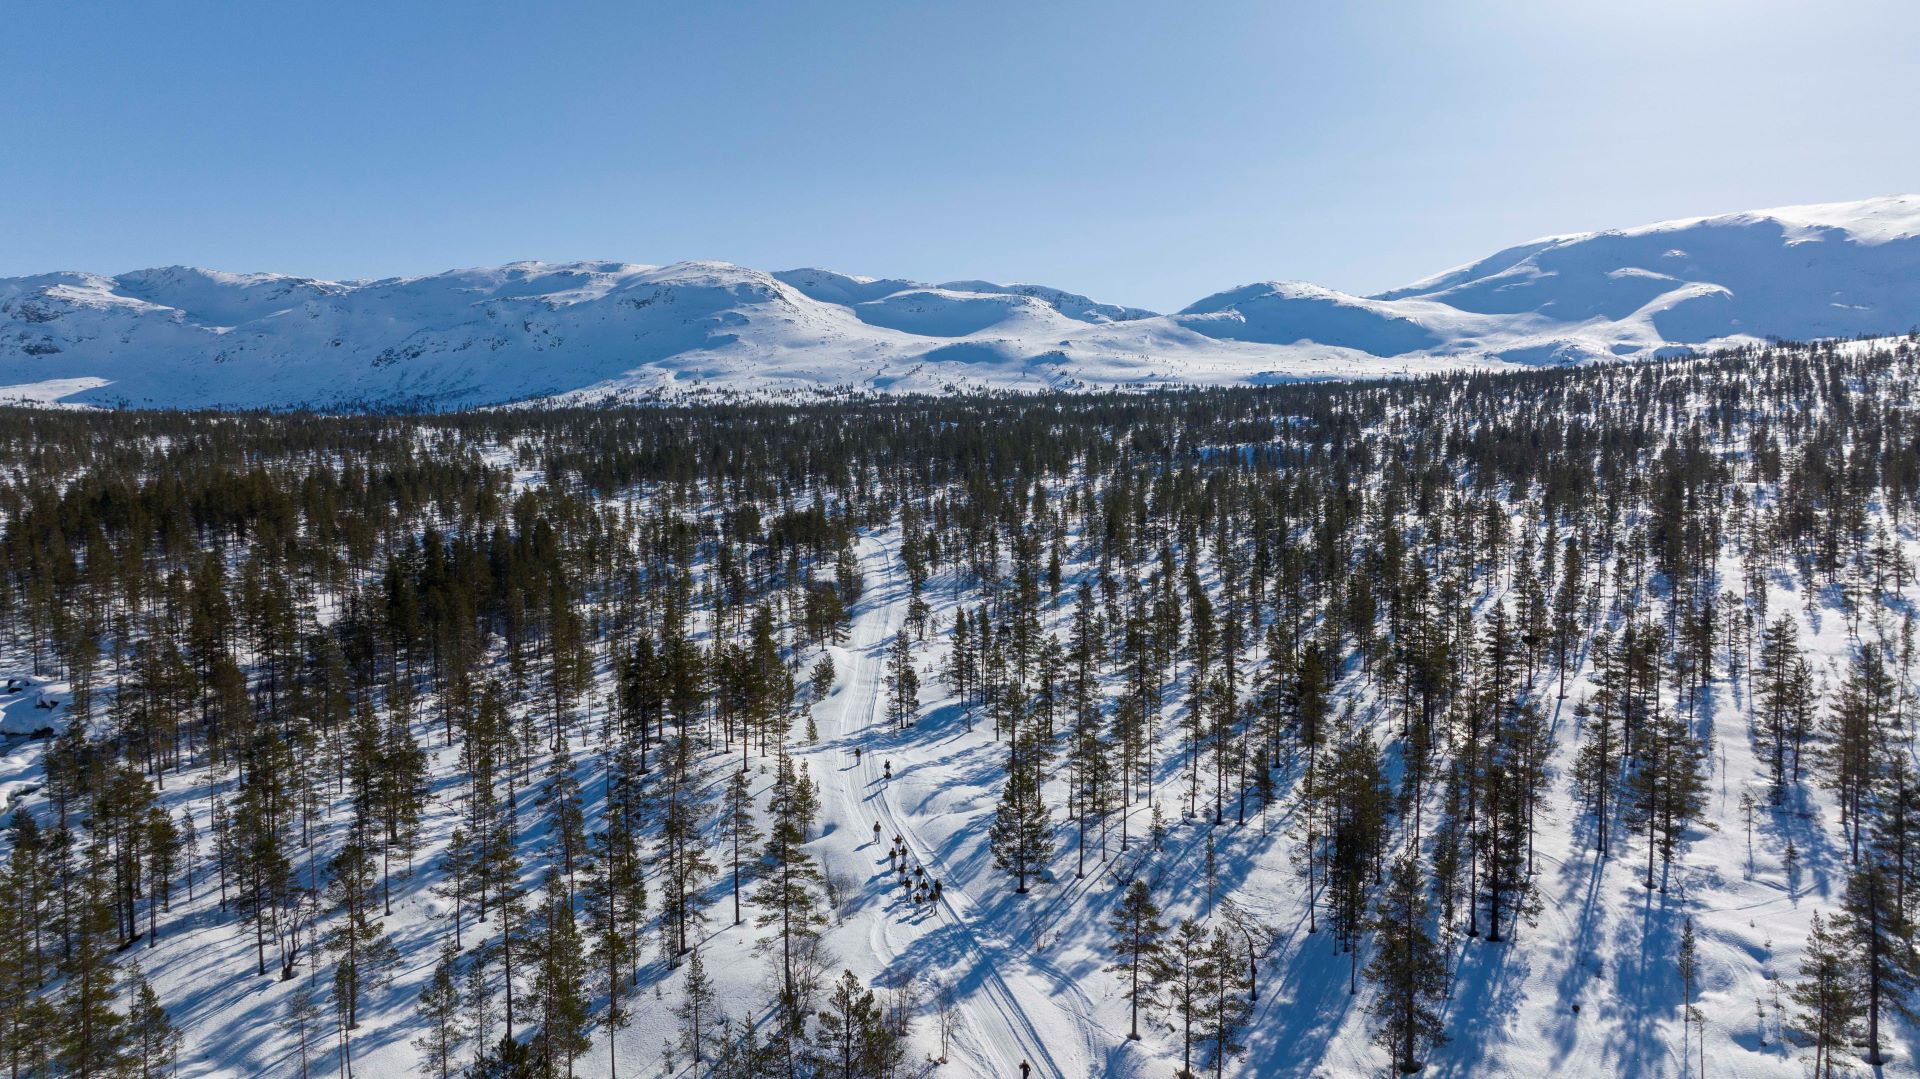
(53, 392)
(608, 331)
(1028, 972)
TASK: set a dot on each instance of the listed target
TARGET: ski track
(1001, 1012)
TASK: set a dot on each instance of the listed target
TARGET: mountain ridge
(602, 331)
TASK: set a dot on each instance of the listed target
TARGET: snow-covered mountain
(595, 331)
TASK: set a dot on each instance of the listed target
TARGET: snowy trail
(1010, 1011)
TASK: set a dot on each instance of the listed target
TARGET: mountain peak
(606, 330)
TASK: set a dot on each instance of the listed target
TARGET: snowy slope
(1587, 990)
(594, 331)
(1028, 973)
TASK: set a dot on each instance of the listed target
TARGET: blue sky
(1143, 153)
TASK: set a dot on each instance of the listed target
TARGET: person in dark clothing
(1024, 1069)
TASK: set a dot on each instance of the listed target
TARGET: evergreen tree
(698, 1011)
(1022, 834)
(822, 676)
(476, 997)
(1230, 1007)
(153, 1043)
(786, 892)
(90, 1037)
(1596, 769)
(559, 984)
(1779, 698)
(903, 683)
(1688, 961)
(1828, 995)
(1667, 785)
(1408, 970)
(854, 1041)
(506, 1059)
(683, 860)
(1187, 975)
(1137, 940)
(1856, 736)
(611, 905)
(1883, 944)
(301, 1024)
(364, 954)
(439, 1009)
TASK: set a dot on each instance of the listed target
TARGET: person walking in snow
(876, 831)
(1024, 1069)
(886, 770)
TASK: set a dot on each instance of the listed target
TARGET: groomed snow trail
(1014, 1006)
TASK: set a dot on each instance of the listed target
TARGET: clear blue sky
(1141, 152)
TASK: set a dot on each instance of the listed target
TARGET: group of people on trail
(919, 886)
(886, 771)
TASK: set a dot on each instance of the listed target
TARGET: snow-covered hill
(596, 331)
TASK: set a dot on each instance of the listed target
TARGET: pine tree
(786, 893)
(962, 662)
(1596, 769)
(400, 791)
(1022, 834)
(699, 1009)
(559, 984)
(301, 1023)
(439, 1009)
(854, 1041)
(903, 683)
(476, 997)
(456, 876)
(1828, 995)
(1137, 940)
(162, 841)
(1780, 696)
(1882, 941)
(1668, 786)
(514, 935)
(610, 905)
(1354, 803)
(90, 1037)
(684, 863)
(1688, 961)
(1408, 970)
(365, 954)
(822, 676)
(1230, 1006)
(153, 1042)
(26, 916)
(1186, 972)
(506, 1059)
(1856, 734)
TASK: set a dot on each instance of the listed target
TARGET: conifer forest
(1481, 723)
